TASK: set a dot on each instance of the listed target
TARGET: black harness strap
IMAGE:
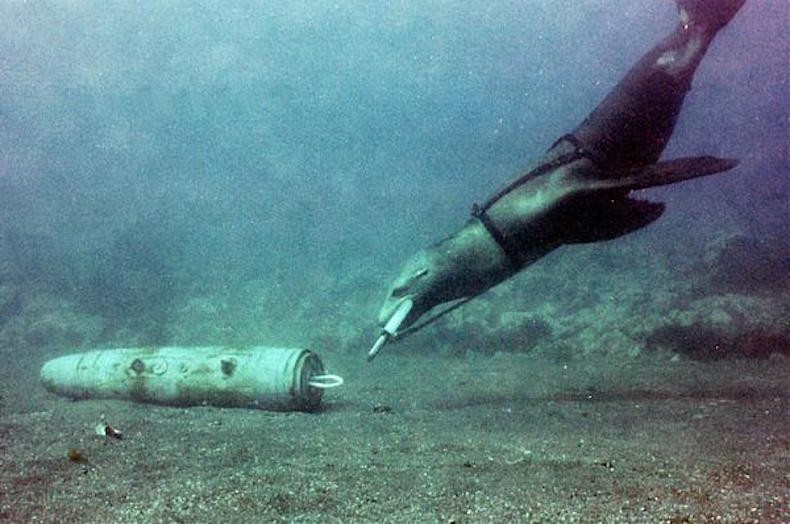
(579, 152)
(510, 249)
(479, 212)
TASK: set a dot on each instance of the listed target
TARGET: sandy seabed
(508, 438)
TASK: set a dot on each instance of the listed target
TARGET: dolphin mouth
(391, 308)
(391, 327)
(398, 316)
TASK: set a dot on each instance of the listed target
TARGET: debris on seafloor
(106, 430)
(76, 455)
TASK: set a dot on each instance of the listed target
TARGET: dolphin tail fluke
(659, 174)
(712, 14)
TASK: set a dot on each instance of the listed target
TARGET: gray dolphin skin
(578, 192)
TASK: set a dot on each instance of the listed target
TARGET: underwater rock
(487, 333)
(701, 343)
(727, 326)
(521, 332)
(11, 302)
(203, 318)
(742, 264)
(53, 321)
(45, 320)
(28, 257)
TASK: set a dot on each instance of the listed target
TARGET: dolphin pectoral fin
(610, 218)
(658, 174)
(611, 214)
(671, 171)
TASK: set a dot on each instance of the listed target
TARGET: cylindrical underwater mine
(256, 377)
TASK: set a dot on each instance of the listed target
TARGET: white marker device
(391, 327)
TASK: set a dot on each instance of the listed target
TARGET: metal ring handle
(325, 381)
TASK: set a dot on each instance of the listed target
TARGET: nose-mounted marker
(391, 327)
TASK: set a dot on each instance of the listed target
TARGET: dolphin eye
(401, 290)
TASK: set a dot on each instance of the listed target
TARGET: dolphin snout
(388, 309)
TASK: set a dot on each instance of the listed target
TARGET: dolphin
(578, 191)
